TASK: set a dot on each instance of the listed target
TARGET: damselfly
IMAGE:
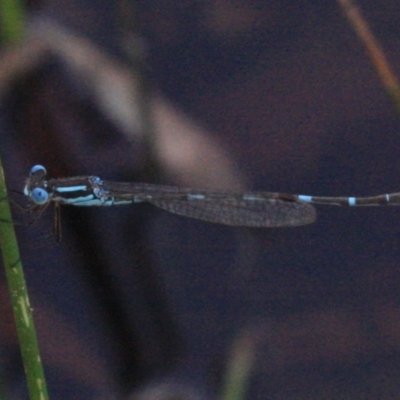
(253, 209)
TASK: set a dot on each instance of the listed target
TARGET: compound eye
(39, 196)
(38, 170)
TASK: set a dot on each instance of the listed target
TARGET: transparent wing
(258, 209)
(239, 212)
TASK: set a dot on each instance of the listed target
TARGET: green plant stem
(20, 301)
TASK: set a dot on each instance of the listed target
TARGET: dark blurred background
(256, 95)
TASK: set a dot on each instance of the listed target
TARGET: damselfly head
(35, 185)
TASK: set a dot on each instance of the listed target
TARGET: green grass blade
(240, 364)
(11, 20)
(20, 301)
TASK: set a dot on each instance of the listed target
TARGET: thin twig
(360, 25)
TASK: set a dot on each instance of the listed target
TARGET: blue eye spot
(38, 169)
(39, 196)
